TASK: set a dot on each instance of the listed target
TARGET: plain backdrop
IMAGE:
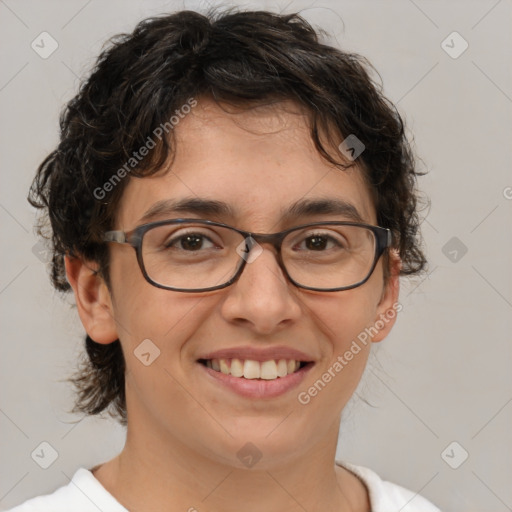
(442, 376)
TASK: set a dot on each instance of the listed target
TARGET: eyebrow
(323, 206)
(193, 205)
(210, 207)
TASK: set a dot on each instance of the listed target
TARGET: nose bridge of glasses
(273, 239)
(253, 250)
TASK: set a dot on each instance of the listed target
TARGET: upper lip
(258, 354)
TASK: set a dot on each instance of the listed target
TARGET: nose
(262, 298)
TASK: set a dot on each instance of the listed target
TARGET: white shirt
(84, 493)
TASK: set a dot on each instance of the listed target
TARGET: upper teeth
(250, 369)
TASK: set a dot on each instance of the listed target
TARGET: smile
(251, 369)
(254, 379)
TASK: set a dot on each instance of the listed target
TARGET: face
(259, 163)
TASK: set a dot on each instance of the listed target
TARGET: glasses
(191, 255)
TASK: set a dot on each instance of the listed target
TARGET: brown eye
(315, 243)
(191, 242)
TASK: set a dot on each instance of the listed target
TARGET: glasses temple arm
(115, 236)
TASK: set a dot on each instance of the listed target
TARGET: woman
(267, 192)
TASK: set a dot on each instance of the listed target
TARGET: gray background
(443, 375)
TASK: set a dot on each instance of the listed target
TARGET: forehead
(260, 163)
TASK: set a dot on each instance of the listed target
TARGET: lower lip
(259, 388)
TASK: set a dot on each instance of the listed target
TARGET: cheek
(167, 318)
(159, 326)
(143, 311)
(343, 316)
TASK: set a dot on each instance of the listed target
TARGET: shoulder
(386, 496)
(82, 494)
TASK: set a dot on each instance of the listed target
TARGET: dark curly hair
(235, 57)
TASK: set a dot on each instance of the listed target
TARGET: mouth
(250, 369)
(253, 379)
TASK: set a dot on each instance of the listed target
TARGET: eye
(320, 242)
(190, 242)
(317, 243)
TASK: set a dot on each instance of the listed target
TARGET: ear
(389, 307)
(92, 299)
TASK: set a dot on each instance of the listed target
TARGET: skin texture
(184, 429)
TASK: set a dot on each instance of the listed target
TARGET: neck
(154, 474)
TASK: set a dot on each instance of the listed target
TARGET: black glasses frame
(134, 238)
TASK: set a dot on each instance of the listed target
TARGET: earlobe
(389, 307)
(93, 300)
